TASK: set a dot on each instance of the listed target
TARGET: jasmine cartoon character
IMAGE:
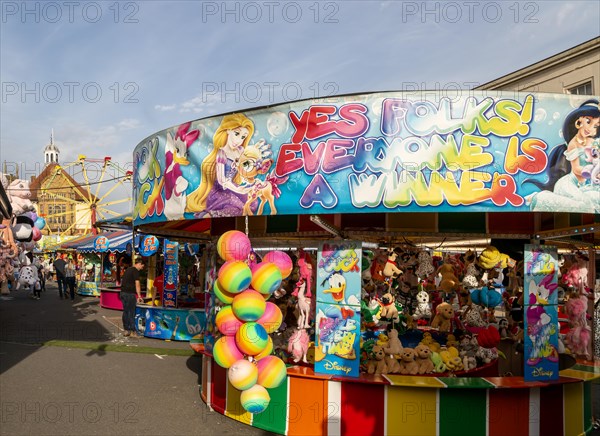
(567, 188)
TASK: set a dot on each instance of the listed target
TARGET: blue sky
(158, 63)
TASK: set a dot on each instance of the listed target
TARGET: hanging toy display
(247, 319)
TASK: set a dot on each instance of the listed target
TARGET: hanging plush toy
(579, 335)
(425, 265)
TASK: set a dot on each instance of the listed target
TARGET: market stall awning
(76, 242)
(119, 242)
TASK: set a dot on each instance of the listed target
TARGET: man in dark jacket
(130, 286)
(59, 266)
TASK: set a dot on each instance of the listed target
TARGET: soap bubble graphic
(540, 115)
(277, 124)
(376, 106)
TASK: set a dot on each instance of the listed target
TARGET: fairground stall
(422, 264)
(173, 307)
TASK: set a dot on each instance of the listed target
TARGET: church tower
(51, 151)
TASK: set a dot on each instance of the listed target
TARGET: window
(57, 214)
(581, 89)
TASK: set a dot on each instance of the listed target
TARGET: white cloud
(165, 108)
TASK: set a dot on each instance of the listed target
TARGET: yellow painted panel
(411, 411)
(414, 381)
(233, 408)
(573, 408)
(582, 375)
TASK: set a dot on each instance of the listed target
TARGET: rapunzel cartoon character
(567, 188)
(219, 193)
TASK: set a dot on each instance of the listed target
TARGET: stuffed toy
(487, 355)
(491, 258)
(382, 340)
(377, 265)
(393, 367)
(409, 277)
(423, 310)
(448, 280)
(451, 341)
(430, 342)
(394, 346)
(28, 276)
(389, 310)
(406, 298)
(468, 352)
(423, 359)
(23, 228)
(451, 358)
(19, 195)
(438, 363)
(443, 317)
(298, 345)
(391, 270)
(408, 364)
(503, 329)
(488, 337)
(425, 268)
(471, 277)
(472, 317)
(376, 363)
(579, 335)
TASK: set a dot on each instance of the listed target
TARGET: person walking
(70, 278)
(130, 286)
(59, 266)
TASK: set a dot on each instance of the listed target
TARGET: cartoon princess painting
(219, 193)
(567, 187)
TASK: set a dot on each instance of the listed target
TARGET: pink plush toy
(298, 346)
(579, 334)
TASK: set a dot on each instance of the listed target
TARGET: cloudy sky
(105, 75)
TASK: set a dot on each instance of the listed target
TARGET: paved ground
(48, 389)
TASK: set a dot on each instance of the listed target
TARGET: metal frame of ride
(97, 204)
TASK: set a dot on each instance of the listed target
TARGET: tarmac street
(62, 371)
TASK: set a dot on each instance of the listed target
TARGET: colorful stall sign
(337, 331)
(172, 324)
(149, 245)
(101, 244)
(541, 313)
(171, 281)
(385, 152)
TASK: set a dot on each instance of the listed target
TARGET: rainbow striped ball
(271, 372)
(243, 374)
(266, 352)
(226, 352)
(256, 399)
(249, 305)
(227, 322)
(234, 245)
(251, 338)
(223, 296)
(281, 260)
(234, 277)
(272, 318)
(266, 278)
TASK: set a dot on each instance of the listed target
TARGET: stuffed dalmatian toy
(28, 276)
